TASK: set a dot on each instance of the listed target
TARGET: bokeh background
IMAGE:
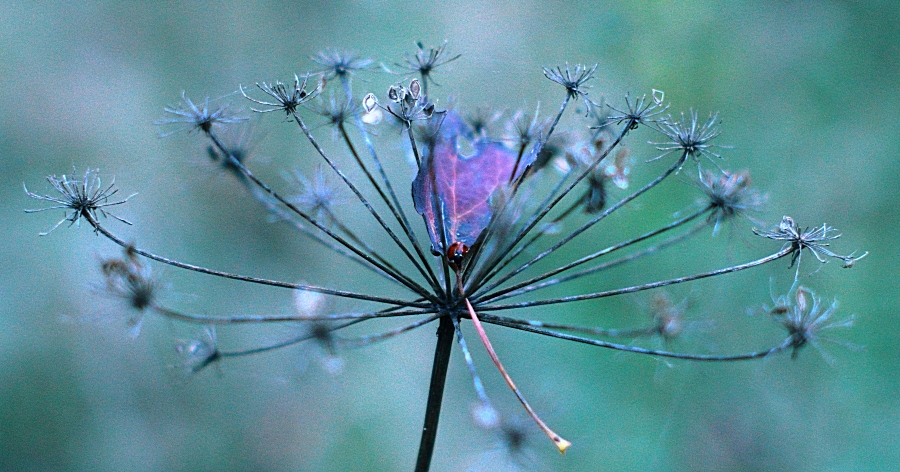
(808, 95)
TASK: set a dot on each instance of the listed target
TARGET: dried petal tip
(561, 444)
(370, 101)
(415, 88)
(83, 198)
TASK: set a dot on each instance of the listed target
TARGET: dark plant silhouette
(495, 219)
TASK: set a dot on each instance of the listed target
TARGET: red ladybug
(455, 254)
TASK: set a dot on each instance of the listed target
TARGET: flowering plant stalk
(496, 211)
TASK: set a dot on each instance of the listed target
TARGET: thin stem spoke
(272, 283)
(431, 276)
(358, 194)
(671, 170)
(351, 235)
(438, 209)
(533, 221)
(789, 342)
(374, 155)
(270, 205)
(412, 285)
(534, 152)
(286, 343)
(476, 380)
(588, 258)
(601, 267)
(637, 288)
(498, 260)
(256, 319)
(361, 341)
(606, 332)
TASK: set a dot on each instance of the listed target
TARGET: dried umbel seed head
(505, 230)
(816, 240)
(411, 103)
(286, 100)
(200, 352)
(85, 198)
(805, 318)
(572, 79)
(426, 60)
(729, 195)
(131, 281)
(668, 318)
(188, 116)
(340, 64)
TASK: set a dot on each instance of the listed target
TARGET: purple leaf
(452, 191)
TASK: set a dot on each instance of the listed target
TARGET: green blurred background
(808, 95)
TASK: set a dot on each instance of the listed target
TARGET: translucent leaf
(462, 185)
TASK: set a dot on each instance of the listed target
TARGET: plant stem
(558, 441)
(435, 393)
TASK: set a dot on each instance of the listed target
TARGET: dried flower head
(729, 195)
(336, 111)
(523, 128)
(426, 60)
(572, 80)
(816, 240)
(668, 317)
(85, 197)
(321, 332)
(129, 280)
(200, 352)
(339, 64)
(499, 238)
(286, 100)
(690, 136)
(803, 315)
(481, 120)
(411, 104)
(317, 195)
(190, 117)
(638, 112)
(237, 145)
